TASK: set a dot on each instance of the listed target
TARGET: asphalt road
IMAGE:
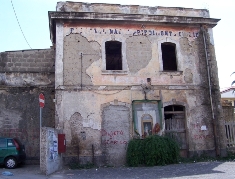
(202, 170)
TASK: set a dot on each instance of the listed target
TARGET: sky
(33, 18)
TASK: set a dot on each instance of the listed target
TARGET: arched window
(169, 56)
(113, 52)
(147, 125)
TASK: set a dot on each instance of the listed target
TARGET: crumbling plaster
(141, 37)
(130, 9)
(27, 79)
(185, 54)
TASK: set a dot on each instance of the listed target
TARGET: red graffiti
(196, 126)
(202, 137)
(114, 142)
(111, 134)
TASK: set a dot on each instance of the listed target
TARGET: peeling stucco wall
(89, 97)
(78, 51)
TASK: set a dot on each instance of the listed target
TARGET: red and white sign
(41, 100)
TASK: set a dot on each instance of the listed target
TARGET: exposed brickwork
(28, 61)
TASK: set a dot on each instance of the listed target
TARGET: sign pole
(41, 105)
(40, 133)
(40, 117)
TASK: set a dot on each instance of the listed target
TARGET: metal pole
(40, 118)
(40, 132)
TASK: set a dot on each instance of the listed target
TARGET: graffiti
(53, 145)
(201, 127)
(163, 33)
(111, 134)
(105, 142)
(202, 137)
(139, 32)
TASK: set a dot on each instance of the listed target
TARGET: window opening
(169, 56)
(113, 51)
(174, 118)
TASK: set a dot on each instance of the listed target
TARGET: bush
(153, 150)
(135, 155)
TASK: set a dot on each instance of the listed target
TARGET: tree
(233, 82)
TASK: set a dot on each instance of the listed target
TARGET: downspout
(81, 72)
(211, 101)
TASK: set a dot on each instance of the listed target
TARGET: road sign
(41, 100)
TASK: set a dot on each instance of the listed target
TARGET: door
(175, 126)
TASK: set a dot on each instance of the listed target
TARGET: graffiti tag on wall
(199, 134)
(53, 145)
(113, 137)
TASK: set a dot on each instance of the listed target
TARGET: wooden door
(175, 126)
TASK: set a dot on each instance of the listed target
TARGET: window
(169, 56)
(2, 143)
(10, 143)
(113, 52)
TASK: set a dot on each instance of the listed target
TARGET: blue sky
(33, 18)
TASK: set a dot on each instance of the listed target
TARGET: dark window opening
(169, 56)
(113, 50)
(174, 108)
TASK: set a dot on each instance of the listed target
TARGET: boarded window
(169, 56)
(113, 50)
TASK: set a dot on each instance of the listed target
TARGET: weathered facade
(24, 75)
(124, 71)
(117, 72)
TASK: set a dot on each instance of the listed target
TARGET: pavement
(202, 170)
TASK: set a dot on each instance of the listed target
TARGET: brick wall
(28, 61)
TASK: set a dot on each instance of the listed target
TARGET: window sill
(173, 73)
(114, 72)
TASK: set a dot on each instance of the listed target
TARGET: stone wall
(28, 61)
(23, 76)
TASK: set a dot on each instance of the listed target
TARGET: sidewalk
(202, 170)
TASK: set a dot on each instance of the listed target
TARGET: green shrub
(153, 150)
(135, 152)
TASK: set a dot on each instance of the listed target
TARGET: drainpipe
(81, 72)
(211, 101)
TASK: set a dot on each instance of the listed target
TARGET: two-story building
(129, 71)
